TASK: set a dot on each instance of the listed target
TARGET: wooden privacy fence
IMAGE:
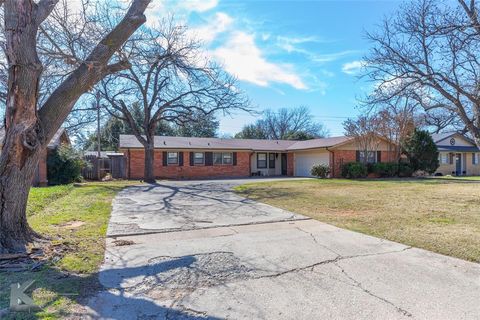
(98, 168)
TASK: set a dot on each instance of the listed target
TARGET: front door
(284, 164)
(458, 164)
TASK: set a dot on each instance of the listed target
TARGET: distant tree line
(284, 124)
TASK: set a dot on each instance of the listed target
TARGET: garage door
(304, 161)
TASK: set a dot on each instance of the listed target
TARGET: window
(227, 158)
(222, 158)
(217, 158)
(371, 156)
(172, 158)
(199, 158)
(475, 158)
(261, 160)
(271, 160)
(443, 158)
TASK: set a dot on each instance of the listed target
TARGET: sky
(287, 53)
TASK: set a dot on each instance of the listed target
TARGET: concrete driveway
(196, 250)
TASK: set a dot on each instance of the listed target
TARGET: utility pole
(99, 150)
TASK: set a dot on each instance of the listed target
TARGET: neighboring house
(458, 155)
(189, 158)
(40, 178)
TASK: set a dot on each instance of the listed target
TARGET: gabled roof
(319, 143)
(437, 137)
(165, 142)
(54, 143)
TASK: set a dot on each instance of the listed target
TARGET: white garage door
(304, 161)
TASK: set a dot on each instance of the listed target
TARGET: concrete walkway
(196, 250)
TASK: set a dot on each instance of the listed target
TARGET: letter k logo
(19, 301)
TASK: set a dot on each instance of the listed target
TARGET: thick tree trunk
(149, 173)
(14, 188)
(28, 133)
(23, 138)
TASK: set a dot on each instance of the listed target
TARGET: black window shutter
(358, 156)
(473, 158)
(164, 158)
(208, 158)
(180, 159)
(191, 159)
(234, 159)
(379, 156)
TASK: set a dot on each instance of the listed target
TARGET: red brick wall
(136, 161)
(340, 157)
(290, 164)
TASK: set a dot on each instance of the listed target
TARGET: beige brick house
(458, 155)
(190, 158)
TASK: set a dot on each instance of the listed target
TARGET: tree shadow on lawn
(53, 286)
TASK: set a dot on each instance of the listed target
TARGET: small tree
(364, 130)
(422, 151)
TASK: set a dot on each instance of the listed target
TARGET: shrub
(354, 170)
(405, 170)
(385, 169)
(320, 170)
(64, 165)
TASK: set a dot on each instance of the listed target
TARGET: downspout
(128, 150)
(332, 165)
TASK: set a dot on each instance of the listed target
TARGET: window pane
(271, 160)
(371, 157)
(227, 158)
(261, 160)
(172, 157)
(198, 157)
(217, 158)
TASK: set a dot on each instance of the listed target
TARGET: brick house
(40, 178)
(457, 154)
(195, 158)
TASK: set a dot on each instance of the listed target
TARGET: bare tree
(286, 123)
(28, 131)
(171, 81)
(364, 130)
(396, 120)
(429, 51)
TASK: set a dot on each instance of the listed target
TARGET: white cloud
(180, 9)
(353, 67)
(242, 58)
(197, 5)
(289, 44)
(208, 32)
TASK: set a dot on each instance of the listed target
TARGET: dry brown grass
(435, 214)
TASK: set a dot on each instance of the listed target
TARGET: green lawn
(441, 215)
(75, 220)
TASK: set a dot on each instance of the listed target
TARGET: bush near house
(385, 169)
(320, 171)
(354, 170)
(64, 165)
